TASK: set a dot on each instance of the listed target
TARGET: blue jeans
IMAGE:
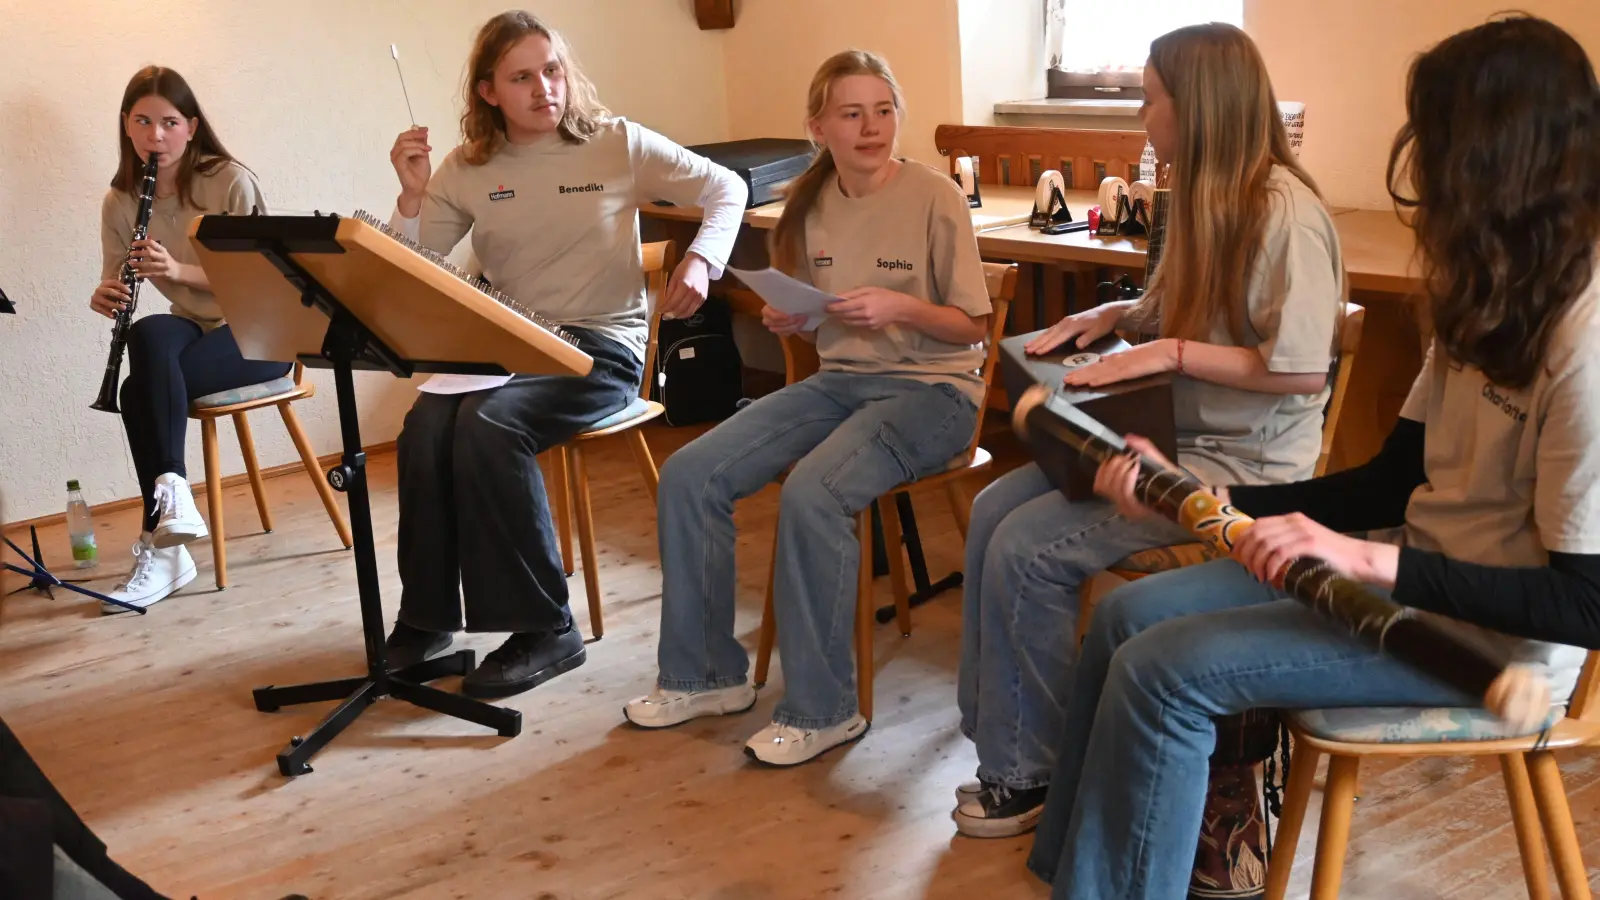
(850, 439)
(1163, 657)
(1028, 550)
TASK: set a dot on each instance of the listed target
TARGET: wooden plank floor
(146, 725)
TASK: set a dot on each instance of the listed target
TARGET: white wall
(1002, 55)
(776, 46)
(1347, 62)
(304, 92)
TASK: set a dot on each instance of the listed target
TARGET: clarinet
(107, 401)
(1516, 693)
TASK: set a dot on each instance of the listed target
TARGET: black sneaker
(526, 660)
(998, 811)
(408, 646)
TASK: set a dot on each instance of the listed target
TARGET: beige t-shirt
(555, 225)
(1232, 436)
(1513, 474)
(913, 235)
(229, 188)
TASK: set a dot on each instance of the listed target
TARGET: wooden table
(1378, 254)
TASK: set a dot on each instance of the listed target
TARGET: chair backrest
(1000, 279)
(1017, 156)
(1582, 705)
(1349, 344)
(299, 373)
(659, 259)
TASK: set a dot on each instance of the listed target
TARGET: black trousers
(33, 816)
(474, 516)
(171, 361)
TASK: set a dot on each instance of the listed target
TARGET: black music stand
(349, 344)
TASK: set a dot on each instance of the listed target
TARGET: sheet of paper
(461, 384)
(790, 295)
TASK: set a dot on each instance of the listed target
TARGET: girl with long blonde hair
(896, 399)
(1244, 308)
(549, 183)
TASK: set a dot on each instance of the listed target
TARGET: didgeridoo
(1517, 693)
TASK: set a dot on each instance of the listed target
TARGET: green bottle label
(83, 548)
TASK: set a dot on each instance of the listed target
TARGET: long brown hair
(205, 153)
(483, 126)
(1501, 148)
(1230, 135)
(788, 236)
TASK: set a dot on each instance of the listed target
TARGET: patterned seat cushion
(1410, 724)
(1162, 559)
(636, 407)
(245, 394)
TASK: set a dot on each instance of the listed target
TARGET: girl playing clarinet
(1492, 472)
(189, 352)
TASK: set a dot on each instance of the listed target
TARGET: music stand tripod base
(41, 579)
(347, 342)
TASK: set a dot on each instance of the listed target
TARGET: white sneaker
(662, 707)
(155, 575)
(786, 745)
(180, 521)
(968, 790)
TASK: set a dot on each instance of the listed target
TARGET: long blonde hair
(483, 126)
(788, 237)
(1230, 135)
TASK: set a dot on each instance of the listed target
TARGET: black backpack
(699, 375)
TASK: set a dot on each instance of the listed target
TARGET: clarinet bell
(107, 401)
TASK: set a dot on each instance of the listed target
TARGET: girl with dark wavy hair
(1492, 475)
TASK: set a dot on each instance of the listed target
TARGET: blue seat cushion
(245, 394)
(637, 407)
(1410, 724)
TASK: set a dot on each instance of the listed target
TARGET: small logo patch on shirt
(501, 193)
(589, 188)
(894, 264)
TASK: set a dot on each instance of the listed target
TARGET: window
(1111, 39)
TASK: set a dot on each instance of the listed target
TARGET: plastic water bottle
(81, 527)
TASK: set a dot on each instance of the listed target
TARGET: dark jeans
(171, 361)
(474, 517)
(33, 816)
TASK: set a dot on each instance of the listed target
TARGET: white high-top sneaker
(155, 575)
(180, 521)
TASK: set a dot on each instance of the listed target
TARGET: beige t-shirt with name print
(913, 235)
(1513, 473)
(1231, 436)
(555, 225)
(229, 188)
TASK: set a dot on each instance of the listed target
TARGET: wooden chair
(1533, 781)
(1018, 156)
(569, 479)
(1160, 559)
(279, 392)
(802, 362)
